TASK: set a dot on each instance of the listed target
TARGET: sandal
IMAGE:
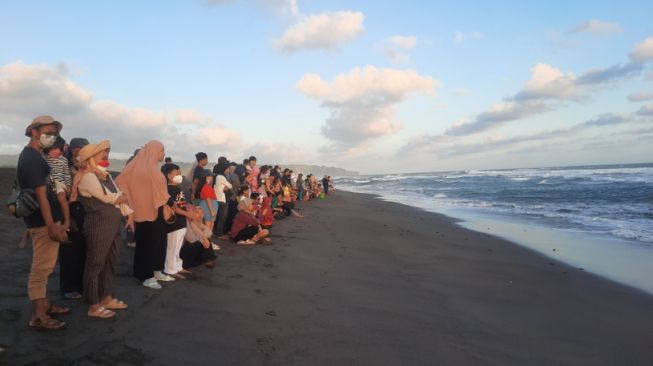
(116, 304)
(47, 324)
(57, 310)
(102, 313)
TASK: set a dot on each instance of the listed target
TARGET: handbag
(22, 202)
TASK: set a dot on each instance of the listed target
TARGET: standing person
(176, 230)
(221, 186)
(232, 195)
(198, 176)
(325, 184)
(45, 224)
(148, 196)
(104, 205)
(72, 256)
(208, 203)
(252, 178)
(300, 187)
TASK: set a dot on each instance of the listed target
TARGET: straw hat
(90, 150)
(42, 121)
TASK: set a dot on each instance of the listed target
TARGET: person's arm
(91, 186)
(56, 231)
(193, 188)
(180, 211)
(63, 202)
(226, 183)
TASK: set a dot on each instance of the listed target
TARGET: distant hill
(10, 161)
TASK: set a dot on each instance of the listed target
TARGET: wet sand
(357, 281)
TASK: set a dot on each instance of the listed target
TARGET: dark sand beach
(357, 281)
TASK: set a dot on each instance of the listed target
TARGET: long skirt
(151, 245)
(72, 256)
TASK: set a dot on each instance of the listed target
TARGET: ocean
(599, 217)
(613, 200)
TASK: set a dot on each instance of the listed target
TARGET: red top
(241, 221)
(208, 192)
(266, 218)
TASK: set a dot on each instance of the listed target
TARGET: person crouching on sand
(104, 206)
(246, 228)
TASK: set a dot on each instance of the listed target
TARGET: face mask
(177, 179)
(46, 140)
(103, 165)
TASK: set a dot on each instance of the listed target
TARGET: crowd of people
(76, 212)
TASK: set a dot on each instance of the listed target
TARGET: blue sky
(366, 85)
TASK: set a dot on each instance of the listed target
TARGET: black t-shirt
(33, 172)
(200, 174)
(177, 196)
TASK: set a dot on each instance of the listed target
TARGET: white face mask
(102, 169)
(47, 141)
(177, 179)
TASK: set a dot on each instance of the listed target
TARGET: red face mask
(104, 163)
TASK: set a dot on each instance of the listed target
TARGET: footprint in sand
(235, 276)
(268, 265)
(260, 291)
(271, 313)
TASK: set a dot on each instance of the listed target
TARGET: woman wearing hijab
(104, 206)
(147, 192)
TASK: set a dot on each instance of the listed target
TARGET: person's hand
(121, 199)
(206, 243)
(66, 226)
(57, 232)
(130, 223)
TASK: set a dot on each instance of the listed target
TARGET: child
(59, 176)
(243, 192)
(176, 230)
(198, 248)
(209, 201)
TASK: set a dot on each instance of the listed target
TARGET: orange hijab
(144, 183)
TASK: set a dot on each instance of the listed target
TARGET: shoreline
(620, 260)
(357, 281)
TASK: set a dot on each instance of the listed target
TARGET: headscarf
(144, 184)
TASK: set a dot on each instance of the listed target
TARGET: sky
(372, 86)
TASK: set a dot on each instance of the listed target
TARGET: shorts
(246, 233)
(207, 212)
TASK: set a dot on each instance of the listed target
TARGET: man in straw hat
(45, 224)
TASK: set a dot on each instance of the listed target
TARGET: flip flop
(102, 313)
(57, 310)
(116, 304)
(47, 324)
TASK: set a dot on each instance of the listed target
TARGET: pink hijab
(144, 183)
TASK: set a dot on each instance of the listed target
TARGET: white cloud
(363, 102)
(646, 110)
(396, 47)
(460, 37)
(643, 51)
(461, 92)
(497, 115)
(548, 82)
(404, 42)
(640, 96)
(30, 90)
(321, 31)
(596, 27)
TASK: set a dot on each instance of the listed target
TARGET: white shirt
(220, 183)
